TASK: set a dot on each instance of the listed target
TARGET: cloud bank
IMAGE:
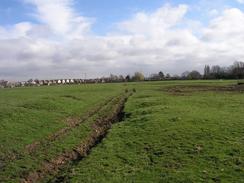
(61, 44)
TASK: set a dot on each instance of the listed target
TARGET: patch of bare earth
(72, 122)
(99, 131)
(182, 90)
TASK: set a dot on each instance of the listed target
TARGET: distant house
(33, 83)
(50, 82)
(103, 81)
(59, 81)
(3, 83)
(18, 84)
(45, 82)
(41, 82)
(76, 81)
(37, 82)
(10, 84)
(22, 83)
(55, 82)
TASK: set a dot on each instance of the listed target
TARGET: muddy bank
(98, 131)
(182, 90)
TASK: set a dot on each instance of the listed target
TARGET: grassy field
(30, 115)
(171, 132)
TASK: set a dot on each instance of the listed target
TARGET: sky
(49, 39)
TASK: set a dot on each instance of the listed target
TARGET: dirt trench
(182, 90)
(72, 123)
(30, 149)
(99, 130)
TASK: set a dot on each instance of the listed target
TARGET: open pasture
(170, 131)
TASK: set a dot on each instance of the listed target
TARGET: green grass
(168, 138)
(165, 137)
(32, 114)
(28, 114)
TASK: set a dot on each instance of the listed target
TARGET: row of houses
(53, 82)
(36, 82)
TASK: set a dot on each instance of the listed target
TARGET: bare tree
(206, 72)
(138, 76)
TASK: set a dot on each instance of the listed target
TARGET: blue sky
(109, 12)
(106, 12)
(67, 38)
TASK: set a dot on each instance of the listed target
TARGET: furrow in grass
(46, 142)
(26, 163)
(31, 148)
(98, 131)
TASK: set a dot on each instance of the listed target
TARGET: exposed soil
(72, 123)
(241, 82)
(72, 97)
(182, 90)
(99, 131)
(8, 157)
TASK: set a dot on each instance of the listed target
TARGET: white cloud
(150, 41)
(62, 19)
(156, 22)
(226, 28)
(240, 1)
(15, 31)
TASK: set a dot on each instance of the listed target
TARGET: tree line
(234, 71)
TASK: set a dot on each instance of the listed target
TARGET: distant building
(59, 81)
(3, 83)
(41, 82)
(45, 82)
(18, 84)
(54, 82)
(50, 82)
(10, 84)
